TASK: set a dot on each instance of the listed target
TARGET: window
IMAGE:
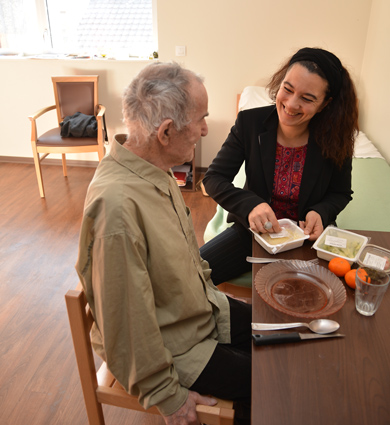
(117, 28)
(19, 25)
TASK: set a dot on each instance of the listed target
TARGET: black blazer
(325, 188)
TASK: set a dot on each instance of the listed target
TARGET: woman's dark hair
(336, 126)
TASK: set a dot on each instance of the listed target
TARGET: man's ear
(164, 132)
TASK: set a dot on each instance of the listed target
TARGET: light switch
(180, 50)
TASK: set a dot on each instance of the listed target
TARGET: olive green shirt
(158, 315)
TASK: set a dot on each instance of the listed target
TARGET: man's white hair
(157, 93)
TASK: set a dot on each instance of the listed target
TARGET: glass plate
(300, 289)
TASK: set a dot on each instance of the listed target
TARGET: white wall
(232, 43)
(235, 43)
(374, 93)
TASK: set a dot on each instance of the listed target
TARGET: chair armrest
(101, 110)
(223, 410)
(41, 112)
(33, 117)
(100, 118)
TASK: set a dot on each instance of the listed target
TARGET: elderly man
(165, 331)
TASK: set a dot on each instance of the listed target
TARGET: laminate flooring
(39, 383)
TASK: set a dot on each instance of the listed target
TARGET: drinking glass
(371, 286)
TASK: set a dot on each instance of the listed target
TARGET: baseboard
(70, 162)
(49, 161)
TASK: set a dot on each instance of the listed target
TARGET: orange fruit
(350, 277)
(364, 276)
(339, 266)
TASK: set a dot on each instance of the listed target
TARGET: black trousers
(227, 252)
(228, 373)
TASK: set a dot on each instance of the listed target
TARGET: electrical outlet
(180, 50)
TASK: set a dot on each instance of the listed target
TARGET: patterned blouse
(287, 181)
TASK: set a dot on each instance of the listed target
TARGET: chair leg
(101, 152)
(64, 165)
(38, 171)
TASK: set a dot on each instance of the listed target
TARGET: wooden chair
(72, 94)
(100, 387)
(240, 287)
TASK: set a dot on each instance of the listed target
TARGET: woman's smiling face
(301, 95)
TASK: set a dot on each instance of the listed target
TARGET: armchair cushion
(53, 138)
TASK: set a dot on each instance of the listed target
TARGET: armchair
(72, 94)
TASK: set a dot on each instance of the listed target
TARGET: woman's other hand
(312, 226)
(259, 216)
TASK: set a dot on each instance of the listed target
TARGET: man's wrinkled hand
(186, 415)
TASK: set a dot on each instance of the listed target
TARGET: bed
(370, 206)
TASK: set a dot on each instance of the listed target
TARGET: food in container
(334, 242)
(376, 257)
(288, 234)
(291, 237)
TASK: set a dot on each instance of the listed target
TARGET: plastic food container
(334, 242)
(294, 235)
(375, 256)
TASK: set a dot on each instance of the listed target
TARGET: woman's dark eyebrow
(305, 94)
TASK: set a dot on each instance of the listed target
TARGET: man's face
(182, 145)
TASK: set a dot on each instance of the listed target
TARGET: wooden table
(323, 382)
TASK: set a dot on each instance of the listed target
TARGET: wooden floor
(39, 383)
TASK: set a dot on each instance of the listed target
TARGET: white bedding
(364, 148)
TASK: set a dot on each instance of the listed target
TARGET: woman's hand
(186, 415)
(312, 226)
(260, 215)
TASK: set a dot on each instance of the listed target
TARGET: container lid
(375, 256)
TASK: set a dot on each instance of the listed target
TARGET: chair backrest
(77, 93)
(100, 387)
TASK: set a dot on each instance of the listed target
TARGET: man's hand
(186, 415)
(312, 226)
(260, 215)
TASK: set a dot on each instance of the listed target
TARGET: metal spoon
(319, 326)
(258, 260)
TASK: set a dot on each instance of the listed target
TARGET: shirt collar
(139, 166)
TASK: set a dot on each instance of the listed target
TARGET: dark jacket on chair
(79, 125)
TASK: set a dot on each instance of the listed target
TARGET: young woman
(298, 159)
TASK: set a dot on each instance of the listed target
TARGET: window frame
(44, 31)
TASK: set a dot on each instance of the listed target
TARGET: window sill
(121, 57)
